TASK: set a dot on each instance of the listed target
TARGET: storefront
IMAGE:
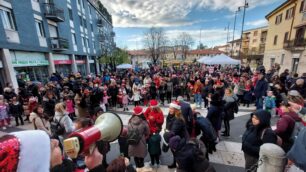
(33, 66)
(81, 64)
(2, 77)
(92, 65)
(63, 64)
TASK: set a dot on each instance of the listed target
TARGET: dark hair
(117, 165)
(85, 122)
(35, 110)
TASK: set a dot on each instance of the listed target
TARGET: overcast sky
(205, 20)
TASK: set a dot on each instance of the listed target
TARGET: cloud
(257, 23)
(209, 37)
(166, 13)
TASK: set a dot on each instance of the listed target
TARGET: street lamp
(234, 32)
(246, 5)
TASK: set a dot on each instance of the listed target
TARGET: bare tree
(155, 41)
(175, 47)
(185, 41)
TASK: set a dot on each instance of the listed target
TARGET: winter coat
(179, 128)
(204, 125)
(155, 120)
(125, 99)
(187, 114)
(139, 150)
(269, 102)
(254, 137)
(169, 121)
(69, 106)
(65, 122)
(229, 110)
(154, 144)
(16, 109)
(40, 123)
(297, 153)
(215, 116)
(284, 128)
(3, 112)
(261, 88)
(66, 166)
(49, 105)
(81, 106)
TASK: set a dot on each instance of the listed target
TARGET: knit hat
(175, 105)
(19, 153)
(153, 103)
(137, 110)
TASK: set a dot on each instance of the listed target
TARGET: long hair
(60, 107)
(156, 109)
(117, 165)
(178, 114)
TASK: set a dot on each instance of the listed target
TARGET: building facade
(286, 37)
(40, 37)
(234, 47)
(253, 46)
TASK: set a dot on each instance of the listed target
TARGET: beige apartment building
(253, 46)
(286, 39)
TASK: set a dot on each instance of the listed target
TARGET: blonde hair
(60, 107)
(178, 114)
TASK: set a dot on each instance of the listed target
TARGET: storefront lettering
(30, 63)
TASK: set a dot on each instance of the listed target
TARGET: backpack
(56, 128)
(279, 140)
(298, 126)
(134, 136)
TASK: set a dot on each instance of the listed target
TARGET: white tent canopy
(221, 59)
(124, 66)
(203, 59)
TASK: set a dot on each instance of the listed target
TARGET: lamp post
(234, 32)
(246, 5)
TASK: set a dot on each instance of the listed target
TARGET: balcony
(100, 23)
(54, 13)
(59, 44)
(101, 37)
(295, 45)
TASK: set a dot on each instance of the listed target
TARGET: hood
(264, 117)
(32, 116)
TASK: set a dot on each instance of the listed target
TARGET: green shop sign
(19, 63)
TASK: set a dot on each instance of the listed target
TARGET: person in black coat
(49, 104)
(16, 110)
(215, 111)
(187, 113)
(257, 133)
(260, 90)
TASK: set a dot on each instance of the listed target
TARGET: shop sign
(59, 62)
(91, 61)
(80, 61)
(19, 63)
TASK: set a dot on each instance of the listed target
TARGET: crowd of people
(68, 103)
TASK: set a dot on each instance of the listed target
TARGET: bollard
(273, 158)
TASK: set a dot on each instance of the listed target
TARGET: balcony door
(299, 37)
(295, 65)
(53, 31)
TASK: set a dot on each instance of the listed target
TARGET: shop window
(7, 18)
(40, 28)
(282, 59)
(275, 40)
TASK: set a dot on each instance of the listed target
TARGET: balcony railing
(59, 44)
(297, 44)
(54, 13)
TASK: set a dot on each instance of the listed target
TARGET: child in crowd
(69, 106)
(119, 98)
(123, 145)
(125, 101)
(4, 117)
(16, 110)
(154, 149)
(104, 102)
(270, 102)
(248, 93)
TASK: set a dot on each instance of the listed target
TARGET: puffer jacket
(155, 120)
(65, 122)
(40, 123)
(139, 150)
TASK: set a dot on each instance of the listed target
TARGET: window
(303, 6)
(272, 62)
(84, 42)
(286, 37)
(289, 13)
(278, 19)
(40, 28)
(70, 14)
(255, 33)
(84, 23)
(282, 59)
(79, 2)
(74, 39)
(91, 27)
(254, 40)
(275, 40)
(87, 43)
(7, 18)
(81, 20)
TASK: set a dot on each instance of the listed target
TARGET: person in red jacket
(154, 116)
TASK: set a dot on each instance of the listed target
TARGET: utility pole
(246, 5)
(227, 37)
(234, 33)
